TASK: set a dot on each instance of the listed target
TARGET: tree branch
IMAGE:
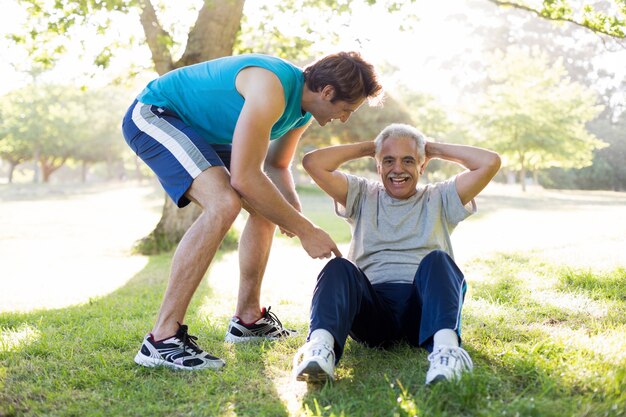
(156, 37)
(563, 18)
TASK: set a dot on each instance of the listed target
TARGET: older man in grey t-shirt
(401, 281)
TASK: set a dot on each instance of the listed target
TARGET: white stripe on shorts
(165, 139)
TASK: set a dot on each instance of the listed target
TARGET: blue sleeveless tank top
(205, 97)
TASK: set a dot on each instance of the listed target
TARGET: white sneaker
(447, 363)
(314, 362)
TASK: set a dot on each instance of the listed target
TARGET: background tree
(608, 171)
(57, 124)
(13, 148)
(40, 123)
(535, 116)
(99, 138)
(581, 54)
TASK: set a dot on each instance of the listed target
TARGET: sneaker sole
(312, 372)
(149, 362)
(437, 379)
(231, 338)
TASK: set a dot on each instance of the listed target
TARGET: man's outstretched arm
(264, 103)
(482, 166)
(322, 165)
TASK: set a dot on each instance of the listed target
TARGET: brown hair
(350, 75)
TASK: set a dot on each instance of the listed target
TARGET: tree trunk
(522, 178)
(212, 36)
(83, 172)
(36, 173)
(11, 172)
(48, 166)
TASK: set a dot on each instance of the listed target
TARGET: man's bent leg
(220, 204)
(250, 321)
(254, 251)
(441, 287)
(344, 302)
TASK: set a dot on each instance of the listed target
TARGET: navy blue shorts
(171, 148)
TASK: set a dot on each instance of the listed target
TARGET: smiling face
(324, 110)
(398, 166)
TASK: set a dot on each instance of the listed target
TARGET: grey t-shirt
(390, 237)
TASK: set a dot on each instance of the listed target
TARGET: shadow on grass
(78, 361)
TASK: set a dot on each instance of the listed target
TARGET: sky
(415, 54)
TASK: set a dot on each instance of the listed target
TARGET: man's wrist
(367, 149)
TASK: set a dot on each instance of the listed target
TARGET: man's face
(398, 168)
(325, 111)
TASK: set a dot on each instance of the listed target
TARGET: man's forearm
(470, 157)
(265, 198)
(331, 158)
(481, 164)
(283, 180)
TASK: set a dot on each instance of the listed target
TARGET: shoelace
(272, 317)
(314, 352)
(188, 340)
(457, 353)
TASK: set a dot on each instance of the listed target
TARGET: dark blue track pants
(345, 303)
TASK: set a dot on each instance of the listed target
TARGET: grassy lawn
(546, 340)
(319, 208)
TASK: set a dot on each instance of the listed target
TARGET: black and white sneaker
(267, 327)
(178, 352)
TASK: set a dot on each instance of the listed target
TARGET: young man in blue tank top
(223, 134)
(400, 282)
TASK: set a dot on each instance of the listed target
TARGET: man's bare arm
(322, 165)
(263, 106)
(482, 166)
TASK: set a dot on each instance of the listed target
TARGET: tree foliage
(54, 124)
(534, 115)
(608, 171)
(605, 17)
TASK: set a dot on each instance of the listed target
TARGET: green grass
(319, 208)
(546, 341)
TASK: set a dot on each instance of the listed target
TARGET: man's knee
(211, 190)
(339, 269)
(438, 264)
(227, 206)
(438, 255)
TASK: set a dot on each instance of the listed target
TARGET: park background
(85, 235)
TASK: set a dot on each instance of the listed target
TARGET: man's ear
(328, 92)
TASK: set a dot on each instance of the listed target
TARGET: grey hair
(401, 130)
